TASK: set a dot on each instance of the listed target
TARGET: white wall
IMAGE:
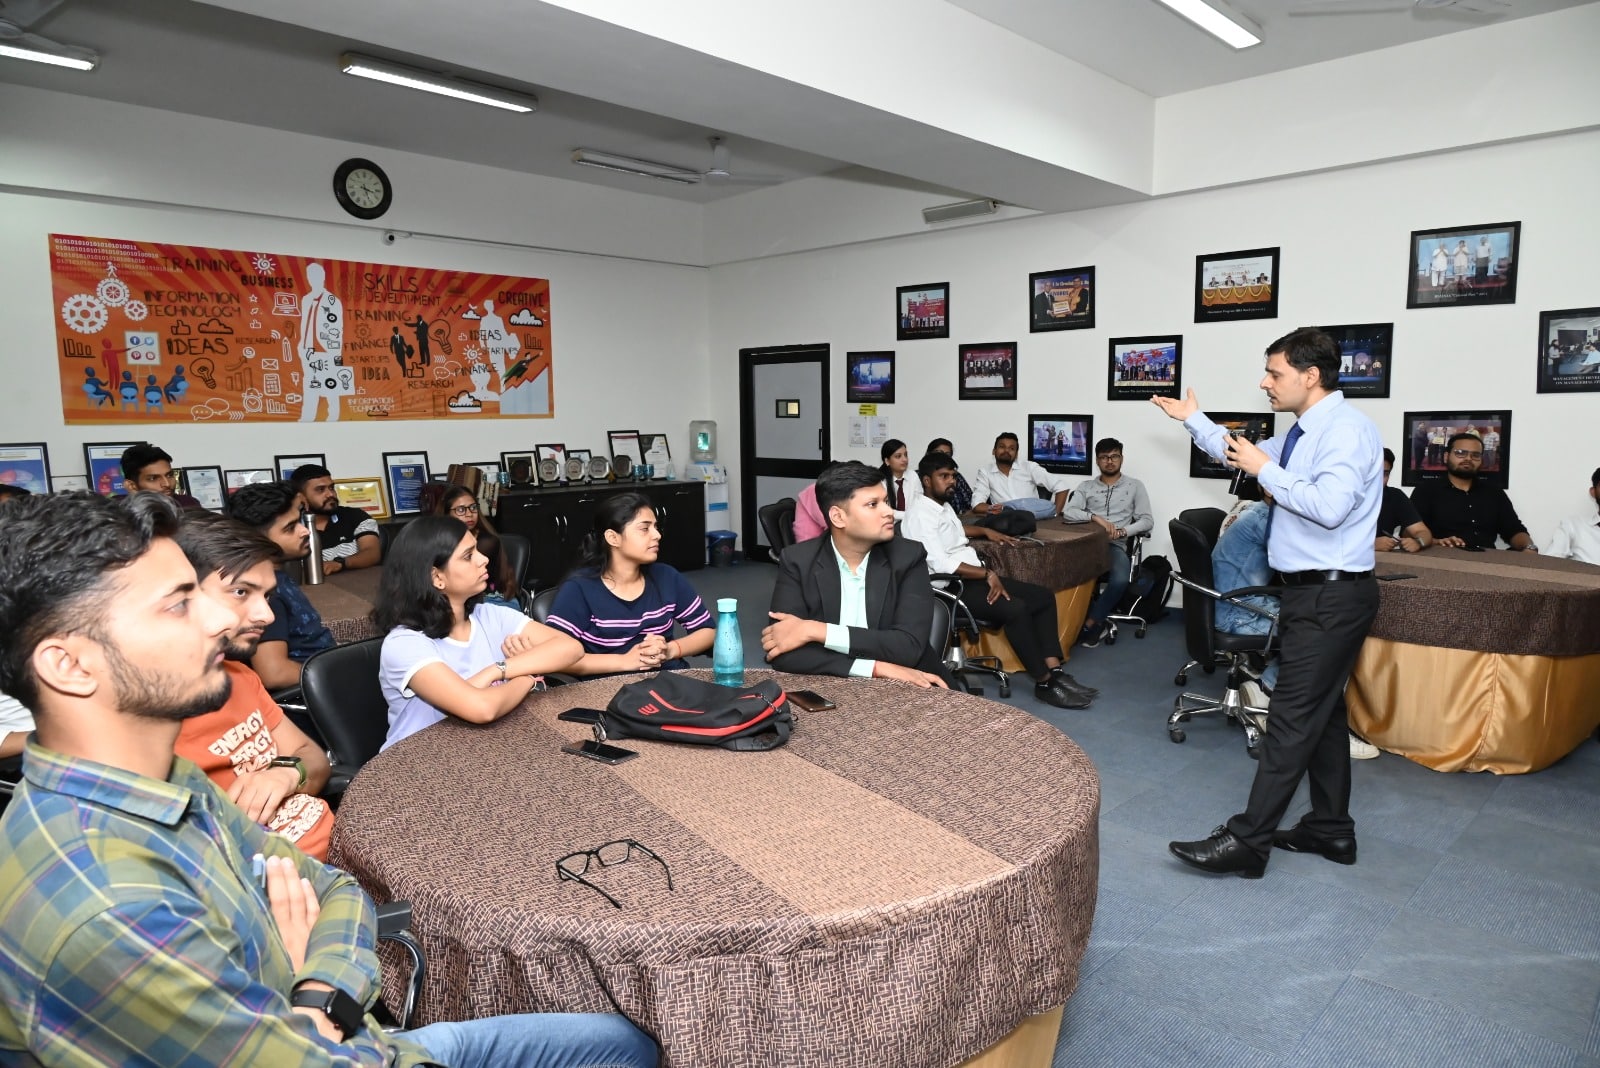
(629, 336)
(1344, 238)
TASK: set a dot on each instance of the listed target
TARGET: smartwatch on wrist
(336, 1005)
(291, 762)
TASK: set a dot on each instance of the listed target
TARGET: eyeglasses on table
(605, 855)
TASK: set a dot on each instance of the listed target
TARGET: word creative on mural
(153, 333)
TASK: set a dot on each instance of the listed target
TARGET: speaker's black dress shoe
(1221, 854)
(1071, 683)
(1299, 840)
(1053, 693)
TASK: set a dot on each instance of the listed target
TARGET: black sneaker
(1089, 637)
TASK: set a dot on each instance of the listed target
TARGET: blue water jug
(727, 652)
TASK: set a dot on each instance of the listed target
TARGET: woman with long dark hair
(446, 652)
(902, 483)
(459, 501)
(622, 604)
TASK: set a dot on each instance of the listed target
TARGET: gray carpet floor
(1467, 934)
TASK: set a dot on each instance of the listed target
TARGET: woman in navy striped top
(621, 604)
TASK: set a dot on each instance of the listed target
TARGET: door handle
(819, 439)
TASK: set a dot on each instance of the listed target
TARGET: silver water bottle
(313, 564)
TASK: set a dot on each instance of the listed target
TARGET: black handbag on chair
(676, 708)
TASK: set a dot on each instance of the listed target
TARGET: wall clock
(362, 189)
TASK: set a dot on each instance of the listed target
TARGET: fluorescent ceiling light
(961, 209)
(75, 58)
(1219, 21)
(383, 71)
(644, 168)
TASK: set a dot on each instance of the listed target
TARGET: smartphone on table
(810, 701)
(591, 716)
(601, 751)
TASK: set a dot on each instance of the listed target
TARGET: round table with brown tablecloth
(1066, 559)
(343, 600)
(905, 884)
(1481, 661)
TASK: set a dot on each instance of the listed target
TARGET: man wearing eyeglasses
(1462, 509)
(349, 536)
(1119, 505)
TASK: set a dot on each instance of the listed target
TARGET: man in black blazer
(856, 601)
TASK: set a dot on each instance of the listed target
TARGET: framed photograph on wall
(1138, 368)
(26, 467)
(1061, 300)
(1569, 351)
(285, 465)
(1236, 285)
(869, 377)
(520, 468)
(1061, 444)
(363, 493)
(102, 463)
(205, 485)
(1464, 265)
(405, 473)
(1366, 357)
(247, 476)
(922, 311)
(987, 371)
(1425, 444)
(1255, 426)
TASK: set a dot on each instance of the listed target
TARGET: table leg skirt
(1072, 607)
(1459, 710)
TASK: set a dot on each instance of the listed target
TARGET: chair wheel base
(1139, 633)
(1181, 679)
(1175, 734)
(1005, 689)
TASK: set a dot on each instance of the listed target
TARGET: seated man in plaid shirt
(133, 928)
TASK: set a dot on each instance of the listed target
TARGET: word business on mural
(153, 333)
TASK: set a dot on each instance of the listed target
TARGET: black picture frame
(26, 464)
(284, 469)
(1156, 355)
(1425, 435)
(102, 466)
(1061, 300)
(1482, 280)
(1575, 368)
(404, 475)
(1233, 286)
(521, 468)
(976, 379)
(1257, 426)
(1076, 457)
(205, 483)
(922, 311)
(1367, 349)
(869, 377)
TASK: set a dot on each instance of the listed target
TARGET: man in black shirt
(1462, 510)
(349, 536)
(1400, 528)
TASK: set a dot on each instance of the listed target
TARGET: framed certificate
(247, 476)
(205, 485)
(69, 483)
(656, 453)
(285, 465)
(405, 473)
(363, 493)
(25, 466)
(102, 462)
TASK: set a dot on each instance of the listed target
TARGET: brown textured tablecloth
(900, 886)
(1491, 602)
(343, 600)
(1062, 557)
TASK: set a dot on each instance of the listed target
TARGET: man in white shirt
(1119, 505)
(1578, 536)
(1012, 483)
(1027, 612)
(16, 723)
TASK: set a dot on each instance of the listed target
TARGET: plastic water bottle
(727, 652)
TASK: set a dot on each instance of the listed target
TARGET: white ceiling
(204, 58)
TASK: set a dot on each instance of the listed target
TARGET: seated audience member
(808, 520)
(349, 536)
(133, 931)
(248, 747)
(1461, 509)
(147, 468)
(445, 652)
(621, 603)
(1027, 612)
(1400, 528)
(961, 492)
(876, 581)
(16, 723)
(898, 480)
(1119, 505)
(1011, 483)
(1578, 536)
(458, 501)
(296, 633)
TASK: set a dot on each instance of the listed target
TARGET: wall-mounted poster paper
(102, 460)
(407, 473)
(156, 333)
(26, 467)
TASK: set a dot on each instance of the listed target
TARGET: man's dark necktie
(1295, 434)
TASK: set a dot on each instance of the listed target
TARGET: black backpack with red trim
(676, 708)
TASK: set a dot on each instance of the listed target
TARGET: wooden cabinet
(554, 519)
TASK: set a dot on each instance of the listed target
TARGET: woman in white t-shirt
(446, 652)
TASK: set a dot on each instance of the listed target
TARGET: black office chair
(518, 551)
(10, 775)
(1135, 612)
(539, 608)
(777, 523)
(346, 703)
(959, 622)
(1209, 647)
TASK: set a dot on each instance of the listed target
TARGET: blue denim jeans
(539, 1040)
(1116, 583)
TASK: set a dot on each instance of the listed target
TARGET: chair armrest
(393, 917)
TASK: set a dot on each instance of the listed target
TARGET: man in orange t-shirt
(265, 764)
